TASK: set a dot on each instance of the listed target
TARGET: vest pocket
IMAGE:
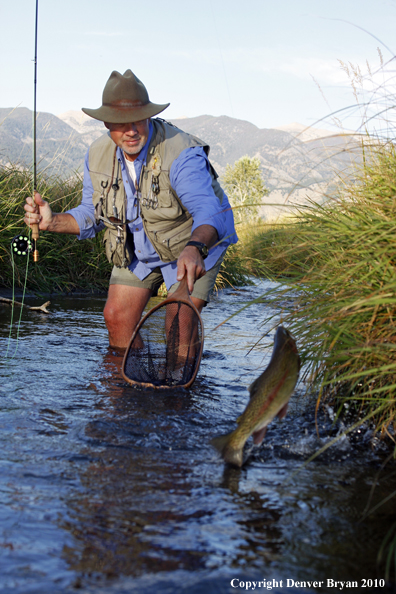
(170, 243)
(167, 209)
(119, 250)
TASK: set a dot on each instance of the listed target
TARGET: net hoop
(181, 295)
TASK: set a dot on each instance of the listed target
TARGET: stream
(109, 489)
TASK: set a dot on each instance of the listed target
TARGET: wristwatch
(201, 247)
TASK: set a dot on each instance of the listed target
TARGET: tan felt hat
(125, 100)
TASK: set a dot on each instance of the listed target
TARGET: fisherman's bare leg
(199, 303)
(187, 318)
(182, 340)
(123, 311)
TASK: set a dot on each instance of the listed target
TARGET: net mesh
(166, 350)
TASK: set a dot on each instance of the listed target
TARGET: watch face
(201, 247)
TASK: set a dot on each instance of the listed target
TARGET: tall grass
(339, 259)
(234, 270)
(266, 248)
(65, 264)
(336, 262)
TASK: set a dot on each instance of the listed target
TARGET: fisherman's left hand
(190, 262)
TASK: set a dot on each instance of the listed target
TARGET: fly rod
(21, 245)
(35, 227)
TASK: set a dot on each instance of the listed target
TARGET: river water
(109, 489)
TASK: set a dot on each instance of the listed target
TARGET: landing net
(166, 348)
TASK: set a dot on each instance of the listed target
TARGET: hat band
(125, 104)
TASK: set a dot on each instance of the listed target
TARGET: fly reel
(21, 245)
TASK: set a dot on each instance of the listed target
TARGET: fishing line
(221, 56)
(12, 305)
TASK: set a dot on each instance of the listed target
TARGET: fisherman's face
(131, 138)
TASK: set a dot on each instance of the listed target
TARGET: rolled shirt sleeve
(84, 213)
(191, 180)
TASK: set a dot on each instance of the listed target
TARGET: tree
(245, 188)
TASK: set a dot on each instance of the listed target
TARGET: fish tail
(230, 454)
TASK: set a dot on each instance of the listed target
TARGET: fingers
(38, 200)
(190, 279)
(34, 210)
(32, 215)
(31, 220)
(29, 206)
(191, 263)
(32, 206)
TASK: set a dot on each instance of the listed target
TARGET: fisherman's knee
(117, 315)
(114, 314)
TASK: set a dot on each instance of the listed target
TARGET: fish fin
(229, 454)
(259, 435)
(283, 411)
(220, 442)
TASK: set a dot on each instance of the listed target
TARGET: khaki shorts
(202, 289)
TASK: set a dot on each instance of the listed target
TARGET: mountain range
(298, 164)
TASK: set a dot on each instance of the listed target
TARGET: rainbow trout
(269, 397)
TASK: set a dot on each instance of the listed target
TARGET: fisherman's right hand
(38, 211)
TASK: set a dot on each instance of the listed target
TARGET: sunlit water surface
(109, 489)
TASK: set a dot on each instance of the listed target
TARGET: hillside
(298, 165)
(59, 147)
(293, 159)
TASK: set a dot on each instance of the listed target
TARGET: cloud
(325, 69)
(266, 60)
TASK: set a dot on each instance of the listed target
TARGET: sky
(271, 62)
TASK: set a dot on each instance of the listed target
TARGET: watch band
(202, 248)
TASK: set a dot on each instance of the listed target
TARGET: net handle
(181, 295)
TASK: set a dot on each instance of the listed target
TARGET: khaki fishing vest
(166, 221)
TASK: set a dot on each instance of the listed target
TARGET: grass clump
(339, 258)
(272, 248)
(234, 270)
(65, 264)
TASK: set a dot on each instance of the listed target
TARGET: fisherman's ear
(107, 125)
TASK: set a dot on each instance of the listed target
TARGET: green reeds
(65, 264)
(234, 270)
(268, 249)
(336, 265)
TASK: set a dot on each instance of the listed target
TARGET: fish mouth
(284, 337)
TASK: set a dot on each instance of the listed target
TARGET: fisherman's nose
(130, 129)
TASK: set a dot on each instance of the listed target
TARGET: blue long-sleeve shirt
(191, 180)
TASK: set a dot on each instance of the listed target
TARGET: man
(153, 188)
